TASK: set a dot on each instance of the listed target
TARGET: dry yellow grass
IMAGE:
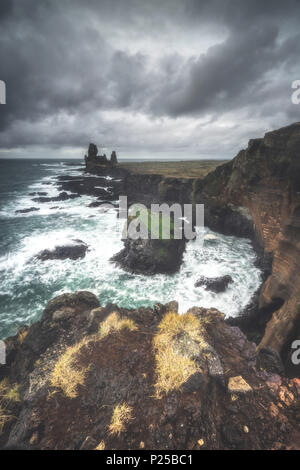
(122, 414)
(22, 336)
(4, 386)
(5, 416)
(173, 324)
(8, 394)
(13, 393)
(172, 367)
(172, 370)
(115, 323)
(67, 374)
(100, 446)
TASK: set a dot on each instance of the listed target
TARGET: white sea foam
(28, 283)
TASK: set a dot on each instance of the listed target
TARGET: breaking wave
(27, 283)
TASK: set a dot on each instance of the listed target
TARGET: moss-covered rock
(150, 256)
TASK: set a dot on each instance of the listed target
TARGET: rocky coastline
(237, 395)
(185, 381)
(255, 195)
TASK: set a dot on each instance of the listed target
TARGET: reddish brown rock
(264, 180)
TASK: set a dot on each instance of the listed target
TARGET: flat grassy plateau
(178, 169)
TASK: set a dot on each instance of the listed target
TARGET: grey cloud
(241, 15)
(231, 74)
(72, 75)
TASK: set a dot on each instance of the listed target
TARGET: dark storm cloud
(76, 69)
(231, 74)
(240, 14)
(6, 9)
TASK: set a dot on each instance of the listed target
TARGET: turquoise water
(27, 284)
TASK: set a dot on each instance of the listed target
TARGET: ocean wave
(28, 283)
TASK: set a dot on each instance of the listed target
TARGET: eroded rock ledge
(176, 381)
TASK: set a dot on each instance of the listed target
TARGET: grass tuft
(115, 323)
(174, 368)
(5, 417)
(13, 394)
(173, 324)
(67, 374)
(100, 446)
(22, 336)
(8, 394)
(122, 414)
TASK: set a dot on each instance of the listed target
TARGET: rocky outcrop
(92, 159)
(150, 256)
(69, 374)
(38, 193)
(113, 158)
(74, 250)
(98, 186)
(26, 211)
(63, 196)
(215, 284)
(262, 185)
(154, 251)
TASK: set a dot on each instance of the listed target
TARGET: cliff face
(282, 290)
(91, 377)
(256, 195)
(265, 180)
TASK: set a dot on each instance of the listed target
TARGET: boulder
(215, 284)
(77, 249)
(239, 386)
(25, 211)
(71, 300)
(172, 306)
(63, 196)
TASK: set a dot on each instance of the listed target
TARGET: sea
(28, 283)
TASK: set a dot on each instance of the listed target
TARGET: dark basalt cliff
(264, 180)
(256, 195)
(91, 377)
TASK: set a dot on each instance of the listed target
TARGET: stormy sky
(149, 78)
